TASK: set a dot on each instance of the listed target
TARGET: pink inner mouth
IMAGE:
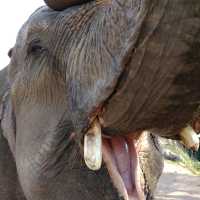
(120, 157)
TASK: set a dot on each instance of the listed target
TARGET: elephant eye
(35, 48)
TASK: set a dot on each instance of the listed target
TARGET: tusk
(190, 138)
(93, 147)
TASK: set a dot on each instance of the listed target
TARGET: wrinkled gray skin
(9, 185)
(134, 63)
(151, 162)
(150, 157)
(10, 188)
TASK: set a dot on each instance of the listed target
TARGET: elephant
(86, 81)
(149, 154)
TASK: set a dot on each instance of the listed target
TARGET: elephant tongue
(120, 157)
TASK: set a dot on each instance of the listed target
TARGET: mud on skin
(123, 63)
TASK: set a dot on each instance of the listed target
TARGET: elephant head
(87, 81)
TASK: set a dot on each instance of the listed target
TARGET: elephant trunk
(62, 4)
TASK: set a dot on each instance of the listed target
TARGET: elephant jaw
(120, 157)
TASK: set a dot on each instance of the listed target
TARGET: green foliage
(186, 161)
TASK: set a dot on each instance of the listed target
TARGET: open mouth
(120, 157)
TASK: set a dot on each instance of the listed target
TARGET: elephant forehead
(38, 22)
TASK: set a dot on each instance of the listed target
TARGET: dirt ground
(177, 183)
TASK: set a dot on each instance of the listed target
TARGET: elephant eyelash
(35, 47)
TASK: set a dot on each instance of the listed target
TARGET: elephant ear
(6, 111)
(96, 57)
(93, 75)
(87, 96)
(63, 4)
